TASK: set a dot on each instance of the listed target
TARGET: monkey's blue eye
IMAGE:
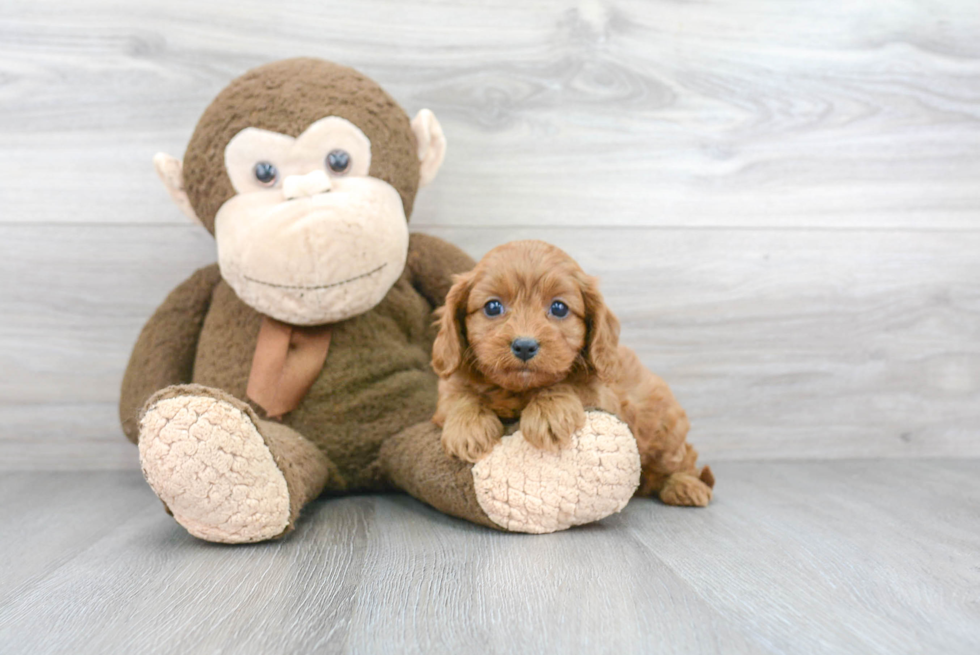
(493, 308)
(338, 161)
(265, 172)
(559, 309)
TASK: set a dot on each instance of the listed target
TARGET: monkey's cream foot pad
(524, 489)
(207, 462)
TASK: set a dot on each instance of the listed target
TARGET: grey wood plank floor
(856, 556)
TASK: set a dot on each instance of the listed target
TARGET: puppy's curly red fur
(578, 363)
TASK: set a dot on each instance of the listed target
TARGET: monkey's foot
(207, 462)
(524, 489)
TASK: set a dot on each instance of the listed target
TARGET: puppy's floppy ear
(602, 338)
(450, 343)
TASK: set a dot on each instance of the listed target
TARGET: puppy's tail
(707, 477)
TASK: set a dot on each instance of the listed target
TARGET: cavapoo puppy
(526, 336)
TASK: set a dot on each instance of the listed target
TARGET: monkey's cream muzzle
(316, 258)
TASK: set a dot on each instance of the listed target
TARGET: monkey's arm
(432, 263)
(164, 353)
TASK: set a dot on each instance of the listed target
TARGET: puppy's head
(526, 317)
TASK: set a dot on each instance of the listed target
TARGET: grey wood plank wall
(782, 199)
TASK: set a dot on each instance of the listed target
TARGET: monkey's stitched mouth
(315, 287)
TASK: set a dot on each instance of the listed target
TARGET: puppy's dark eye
(493, 308)
(265, 173)
(338, 161)
(559, 309)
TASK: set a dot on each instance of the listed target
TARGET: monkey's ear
(432, 145)
(171, 172)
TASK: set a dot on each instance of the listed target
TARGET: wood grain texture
(780, 344)
(50, 518)
(842, 557)
(560, 112)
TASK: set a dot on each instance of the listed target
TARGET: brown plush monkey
(300, 362)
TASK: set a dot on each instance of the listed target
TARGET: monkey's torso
(376, 381)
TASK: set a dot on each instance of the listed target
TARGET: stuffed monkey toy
(299, 363)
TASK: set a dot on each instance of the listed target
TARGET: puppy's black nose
(524, 348)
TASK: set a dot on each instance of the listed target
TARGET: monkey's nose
(305, 186)
(524, 348)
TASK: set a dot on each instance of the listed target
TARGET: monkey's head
(305, 172)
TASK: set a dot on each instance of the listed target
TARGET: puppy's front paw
(471, 436)
(549, 422)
